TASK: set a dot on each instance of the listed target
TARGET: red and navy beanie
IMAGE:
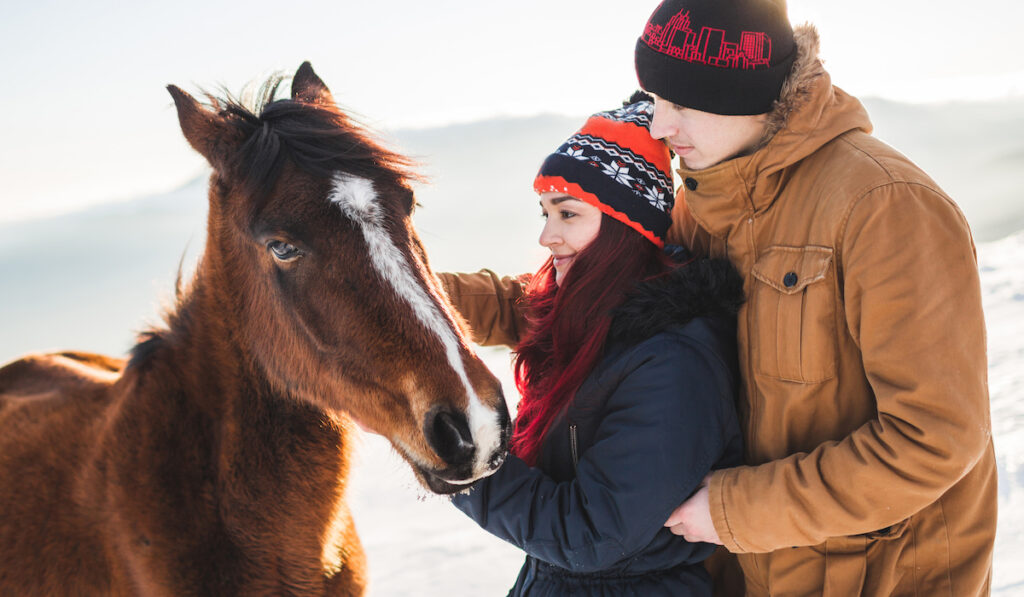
(721, 56)
(614, 164)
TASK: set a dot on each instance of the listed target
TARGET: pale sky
(85, 118)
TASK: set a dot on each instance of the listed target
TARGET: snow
(420, 545)
(1002, 283)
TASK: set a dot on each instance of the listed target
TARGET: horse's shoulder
(60, 373)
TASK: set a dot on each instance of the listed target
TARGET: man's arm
(489, 304)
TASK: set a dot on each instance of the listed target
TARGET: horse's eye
(283, 251)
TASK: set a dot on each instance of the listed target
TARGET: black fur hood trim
(700, 288)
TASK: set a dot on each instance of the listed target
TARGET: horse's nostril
(450, 437)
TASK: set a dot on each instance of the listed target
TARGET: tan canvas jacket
(865, 405)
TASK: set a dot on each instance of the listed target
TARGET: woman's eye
(567, 214)
(283, 251)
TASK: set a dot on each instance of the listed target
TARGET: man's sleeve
(491, 305)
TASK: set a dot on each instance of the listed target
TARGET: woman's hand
(692, 519)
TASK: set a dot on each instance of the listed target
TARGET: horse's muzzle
(448, 434)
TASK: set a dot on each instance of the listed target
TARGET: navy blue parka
(652, 419)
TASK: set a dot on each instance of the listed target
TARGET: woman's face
(703, 139)
(570, 225)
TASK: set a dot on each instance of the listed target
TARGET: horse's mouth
(446, 481)
(440, 485)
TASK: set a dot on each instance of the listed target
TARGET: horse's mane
(316, 137)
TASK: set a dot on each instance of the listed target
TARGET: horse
(213, 459)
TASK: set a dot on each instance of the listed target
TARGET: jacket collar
(700, 288)
(810, 112)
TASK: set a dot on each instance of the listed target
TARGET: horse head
(329, 287)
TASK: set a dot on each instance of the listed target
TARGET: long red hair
(568, 325)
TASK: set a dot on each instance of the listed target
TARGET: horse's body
(214, 461)
(127, 485)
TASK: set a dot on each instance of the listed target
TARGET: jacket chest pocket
(791, 314)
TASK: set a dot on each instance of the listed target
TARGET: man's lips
(681, 149)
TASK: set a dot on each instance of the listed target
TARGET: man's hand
(692, 519)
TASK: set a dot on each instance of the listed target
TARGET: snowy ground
(1002, 278)
(420, 545)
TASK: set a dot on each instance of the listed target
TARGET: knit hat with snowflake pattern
(613, 164)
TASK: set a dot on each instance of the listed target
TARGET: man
(869, 461)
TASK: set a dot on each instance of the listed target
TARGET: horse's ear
(206, 131)
(308, 87)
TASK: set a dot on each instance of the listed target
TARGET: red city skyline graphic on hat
(677, 40)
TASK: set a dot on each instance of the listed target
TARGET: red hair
(568, 325)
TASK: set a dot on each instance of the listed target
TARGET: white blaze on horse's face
(358, 201)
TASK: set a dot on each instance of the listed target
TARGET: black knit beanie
(721, 56)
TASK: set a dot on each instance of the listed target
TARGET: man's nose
(661, 124)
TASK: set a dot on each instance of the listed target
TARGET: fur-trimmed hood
(700, 288)
(806, 96)
(796, 89)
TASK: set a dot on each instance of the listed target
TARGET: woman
(626, 370)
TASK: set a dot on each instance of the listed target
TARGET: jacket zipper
(573, 446)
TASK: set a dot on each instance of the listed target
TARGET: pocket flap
(790, 269)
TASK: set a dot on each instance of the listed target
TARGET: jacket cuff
(719, 516)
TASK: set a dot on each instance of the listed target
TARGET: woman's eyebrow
(558, 200)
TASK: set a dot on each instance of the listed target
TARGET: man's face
(703, 139)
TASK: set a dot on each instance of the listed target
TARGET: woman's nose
(549, 235)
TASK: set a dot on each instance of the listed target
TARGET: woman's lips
(561, 261)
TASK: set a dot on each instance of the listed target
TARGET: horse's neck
(254, 434)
